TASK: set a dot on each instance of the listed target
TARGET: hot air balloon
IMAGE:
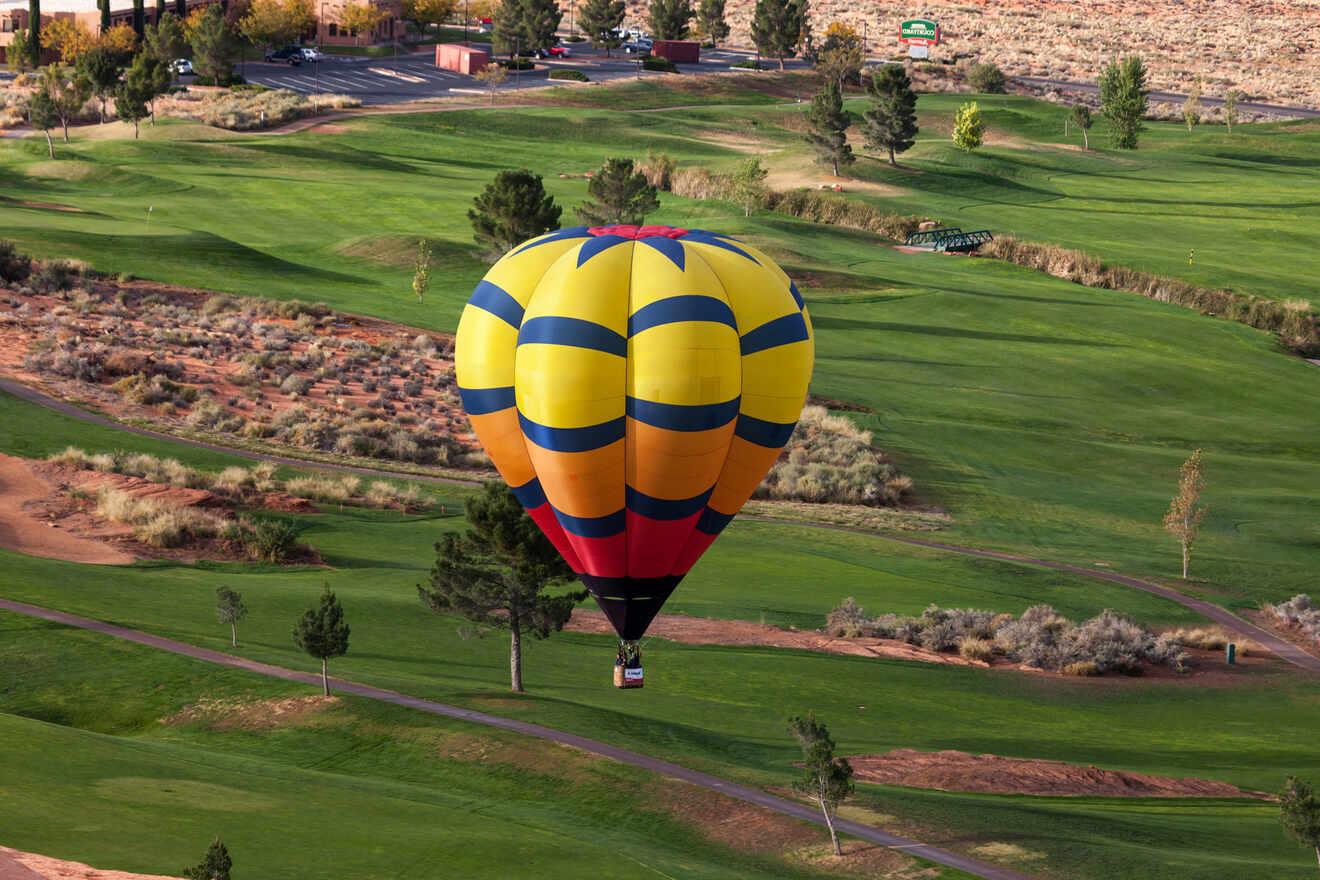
(633, 385)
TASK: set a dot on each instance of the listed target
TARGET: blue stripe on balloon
(769, 434)
(797, 297)
(572, 439)
(480, 401)
(557, 235)
(595, 245)
(496, 300)
(671, 248)
(592, 526)
(719, 241)
(682, 417)
(530, 494)
(712, 522)
(664, 508)
(772, 334)
(574, 332)
(675, 309)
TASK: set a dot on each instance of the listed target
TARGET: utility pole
(466, 19)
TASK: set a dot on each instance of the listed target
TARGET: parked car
(291, 55)
(311, 53)
(554, 52)
(639, 47)
(182, 67)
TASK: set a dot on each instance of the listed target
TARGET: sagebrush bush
(157, 522)
(1299, 611)
(246, 110)
(829, 459)
(270, 540)
(1041, 638)
(986, 77)
(14, 266)
(53, 276)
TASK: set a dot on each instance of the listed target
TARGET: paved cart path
(625, 756)
(1230, 621)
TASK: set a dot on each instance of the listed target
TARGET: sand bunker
(705, 631)
(994, 774)
(16, 865)
(25, 531)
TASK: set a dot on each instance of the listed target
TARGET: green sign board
(919, 32)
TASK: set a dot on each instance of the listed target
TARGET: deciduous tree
(826, 779)
(132, 100)
(1081, 117)
(670, 19)
(17, 56)
(1232, 98)
(229, 609)
(711, 21)
(215, 866)
(600, 21)
(429, 12)
(840, 54)
(891, 123)
(120, 40)
(511, 209)
(361, 18)
(491, 76)
(747, 185)
(968, 127)
(271, 23)
(421, 280)
(778, 27)
(1123, 99)
(67, 38)
(498, 572)
(66, 92)
(986, 77)
(43, 117)
(827, 128)
(1191, 108)
(322, 633)
(1183, 519)
(618, 193)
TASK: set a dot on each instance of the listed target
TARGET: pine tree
(513, 208)
(215, 866)
(323, 634)
(619, 194)
(670, 19)
(99, 68)
(1123, 99)
(139, 19)
(1299, 811)
(827, 128)
(540, 23)
(710, 18)
(778, 27)
(165, 40)
(131, 100)
(497, 572)
(601, 20)
(891, 123)
(104, 6)
(42, 116)
(968, 127)
(34, 34)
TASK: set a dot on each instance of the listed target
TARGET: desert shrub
(246, 110)
(658, 169)
(157, 522)
(211, 417)
(515, 63)
(574, 75)
(53, 276)
(986, 77)
(1300, 611)
(846, 620)
(1113, 642)
(700, 183)
(1202, 638)
(270, 540)
(655, 62)
(1081, 667)
(829, 459)
(125, 362)
(1296, 328)
(14, 266)
(150, 390)
(263, 476)
(295, 385)
(972, 648)
(232, 480)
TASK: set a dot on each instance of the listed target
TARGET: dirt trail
(24, 533)
(18, 865)
(708, 631)
(994, 774)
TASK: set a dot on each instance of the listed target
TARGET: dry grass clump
(1040, 639)
(157, 522)
(829, 459)
(1299, 612)
(250, 109)
(1298, 328)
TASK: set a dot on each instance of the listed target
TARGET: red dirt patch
(251, 715)
(994, 774)
(24, 866)
(27, 526)
(706, 631)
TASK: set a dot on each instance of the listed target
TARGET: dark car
(291, 55)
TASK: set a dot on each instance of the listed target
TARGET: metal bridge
(949, 239)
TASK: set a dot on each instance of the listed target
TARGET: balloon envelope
(633, 385)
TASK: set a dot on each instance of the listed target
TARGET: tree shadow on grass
(828, 322)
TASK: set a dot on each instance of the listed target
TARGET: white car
(182, 67)
(311, 53)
